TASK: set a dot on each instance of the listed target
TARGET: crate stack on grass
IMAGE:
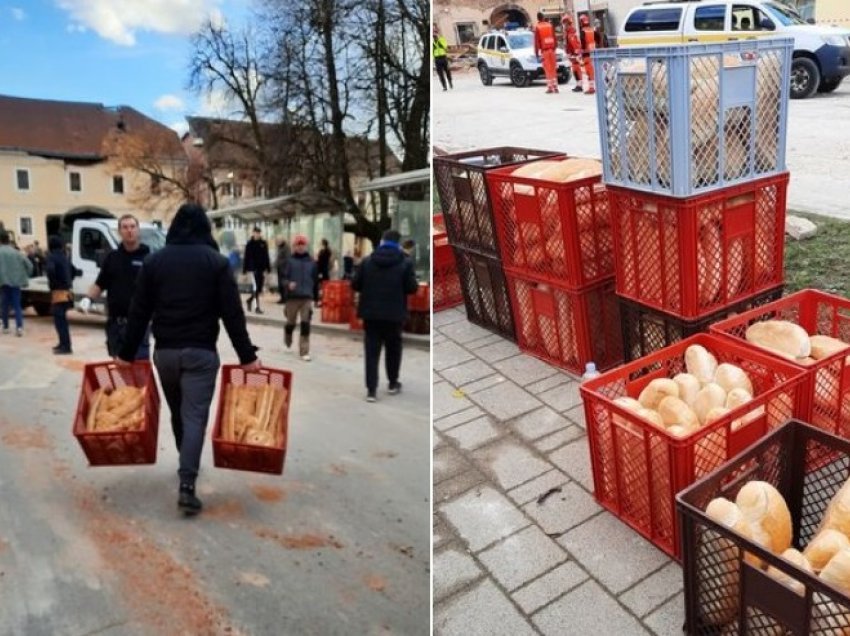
(337, 301)
(693, 146)
(554, 232)
(468, 216)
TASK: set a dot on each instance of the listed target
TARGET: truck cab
(90, 240)
(821, 58)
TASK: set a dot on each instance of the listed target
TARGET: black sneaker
(187, 501)
(370, 397)
(61, 351)
(577, 89)
(258, 311)
(395, 388)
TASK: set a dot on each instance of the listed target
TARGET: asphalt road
(337, 545)
(475, 116)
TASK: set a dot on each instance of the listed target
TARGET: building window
(465, 32)
(156, 186)
(25, 226)
(23, 178)
(226, 189)
(118, 184)
(75, 182)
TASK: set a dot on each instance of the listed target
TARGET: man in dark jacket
(256, 262)
(384, 280)
(299, 280)
(187, 287)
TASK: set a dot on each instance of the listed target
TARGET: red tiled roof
(73, 130)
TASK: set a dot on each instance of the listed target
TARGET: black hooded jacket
(60, 272)
(185, 288)
(384, 279)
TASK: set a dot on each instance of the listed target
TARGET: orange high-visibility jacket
(544, 37)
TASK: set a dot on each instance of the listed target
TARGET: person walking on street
(384, 280)
(117, 277)
(280, 261)
(587, 37)
(323, 261)
(187, 288)
(60, 275)
(15, 271)
(299, 277)
(572, 44)
(440, 50)
(544, 48)
(258, 263)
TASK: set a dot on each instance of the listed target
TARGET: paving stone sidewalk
(508, 428)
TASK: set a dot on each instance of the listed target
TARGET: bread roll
(571, 169)
(710, 396)
(689, 386)
(656, 391)
(731, 377)
(736, 397)
(679, 431)
(533, 169)
(765, 508)
(674, 411)
(780, 336)
(824, 546)
(723, 568)
(718, 412)
(837, 515)
(825, 346)
(837, 571)
(628, 403)
(700, 363)
(792, 556)
(652, 417)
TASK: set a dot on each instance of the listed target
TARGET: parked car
(511, 54)
(821, 53)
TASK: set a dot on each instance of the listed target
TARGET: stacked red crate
(337, 301)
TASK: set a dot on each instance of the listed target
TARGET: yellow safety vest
(440, 46)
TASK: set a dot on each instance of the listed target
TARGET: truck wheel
(805, 78)
(829, 85)
(42, 309)
(519, 77)
(563, 76)
(484, 72)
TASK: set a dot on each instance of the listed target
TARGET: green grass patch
(821, 262)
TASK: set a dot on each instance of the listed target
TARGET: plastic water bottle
(590, 372)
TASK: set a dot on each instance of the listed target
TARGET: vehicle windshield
(153, 237)
(785, 16)
(520, 41)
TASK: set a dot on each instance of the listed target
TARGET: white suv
(511, 54)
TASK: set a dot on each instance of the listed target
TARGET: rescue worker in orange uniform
(588, 37)
(573, 47)
(544, 46)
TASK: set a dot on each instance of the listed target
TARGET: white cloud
(18, 13)
(169, 102)
(119, 20)
(217, 104)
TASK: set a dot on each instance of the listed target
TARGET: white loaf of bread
(823, 547)
(825, 346)
(674, 411)
(780, 336)
(657, 390)
(700, 363)
(798, 559)
(709, 397)
(689, 386)
(837, 515)
(837, 571)
(765, 508)
(731, 377)
(717, 609)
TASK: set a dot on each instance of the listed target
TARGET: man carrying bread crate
(187, 287)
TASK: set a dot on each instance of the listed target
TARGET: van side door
(502, 54)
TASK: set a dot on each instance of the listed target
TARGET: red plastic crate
(638, 468)
(558, 232)
(446, 289)
(336, 315)
(565, 327)
(420, 300)
(240, 456)
(439, 225)
(694, 256)
(104, 448)
(337, 293)
(462, 188)
(827, 391)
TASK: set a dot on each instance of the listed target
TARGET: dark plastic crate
(646, 330)
(464, 197)
(807, 466)
(485, 292)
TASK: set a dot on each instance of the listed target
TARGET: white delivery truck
(90, 240)
(821, 57)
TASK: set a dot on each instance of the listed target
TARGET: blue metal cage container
(684, 120)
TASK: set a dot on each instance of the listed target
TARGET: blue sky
(114, 52)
